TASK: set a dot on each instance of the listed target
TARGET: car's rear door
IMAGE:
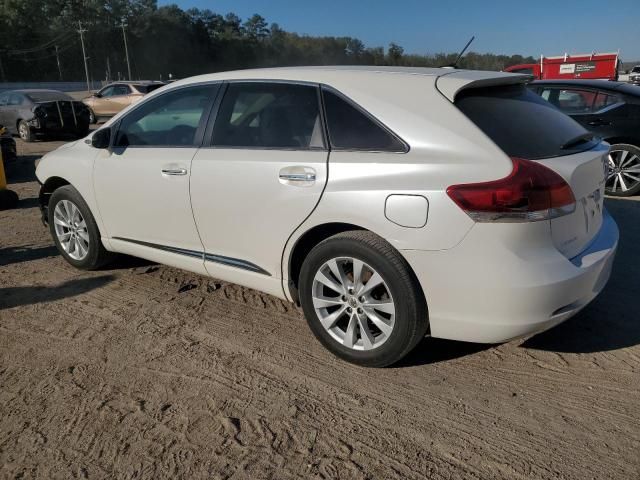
(260, 176)
(142, 183)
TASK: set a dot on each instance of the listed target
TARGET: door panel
(243, 208)
(142, 183)
(263, 177)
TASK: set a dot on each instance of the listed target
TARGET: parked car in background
(7, 145)
(634, 75)
(111, 99)
(32, 113)
(611, 111)
(438, 177)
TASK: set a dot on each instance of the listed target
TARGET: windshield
(635, 69)
(47, 96)
(521, 123)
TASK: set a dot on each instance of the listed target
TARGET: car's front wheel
(361, 299)
(624, 170)
(74, 230)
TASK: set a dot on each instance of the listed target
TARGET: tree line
(40, 41)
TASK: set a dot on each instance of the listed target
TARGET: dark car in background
(611, 111)
(31, 113)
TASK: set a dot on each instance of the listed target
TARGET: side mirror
(101, 139)
(96, 94)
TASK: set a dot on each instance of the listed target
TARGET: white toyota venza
(390, 203)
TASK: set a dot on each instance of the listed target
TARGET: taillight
(530, 193)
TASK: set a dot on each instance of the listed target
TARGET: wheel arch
(312, 237)
(628, 140)
(46, 190)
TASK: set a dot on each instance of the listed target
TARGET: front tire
(624, 170)
(361, 299)
(74, 230)
(24, 131)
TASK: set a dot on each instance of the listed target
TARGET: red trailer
(600, 66)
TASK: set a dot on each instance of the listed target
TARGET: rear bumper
(487, 291)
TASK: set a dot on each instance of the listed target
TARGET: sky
(500, 26)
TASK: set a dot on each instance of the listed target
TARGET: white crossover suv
(390, 203)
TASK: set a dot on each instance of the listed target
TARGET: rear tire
(74, 230)
(624, 170)
(362, 324)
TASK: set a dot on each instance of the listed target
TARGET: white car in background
(389, 202)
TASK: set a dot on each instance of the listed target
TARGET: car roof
(27, 91)
(449, 80)
(596, 84)
(134, 82)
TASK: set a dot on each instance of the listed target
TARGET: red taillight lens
(531, 192)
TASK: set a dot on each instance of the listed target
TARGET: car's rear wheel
(74, 230)
(623, 179)
(24, 131)
(361, 299)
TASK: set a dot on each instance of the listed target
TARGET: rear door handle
(174, 171)
(297, 175)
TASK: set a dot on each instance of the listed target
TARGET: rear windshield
(523, 124)
(47, 96)
(148, 88)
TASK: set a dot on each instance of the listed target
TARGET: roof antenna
(455, 64)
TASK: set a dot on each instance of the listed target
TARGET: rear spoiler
(451, 84)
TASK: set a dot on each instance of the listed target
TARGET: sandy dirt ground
(143, 371)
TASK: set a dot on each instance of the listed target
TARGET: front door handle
(174, 171)
(297, 175)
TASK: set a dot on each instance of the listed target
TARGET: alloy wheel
(624, 171)
(353, 303)
(23, 131)
(71, 229)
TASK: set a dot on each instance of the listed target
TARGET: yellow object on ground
(3, 178)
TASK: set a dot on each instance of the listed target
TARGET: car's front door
(261, 175)
(142, 182)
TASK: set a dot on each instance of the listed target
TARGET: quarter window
(269, 115)
(171, 119)
(352, 129)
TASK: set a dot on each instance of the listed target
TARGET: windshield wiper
(585, 137)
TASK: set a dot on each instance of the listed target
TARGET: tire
(624, 170)
(83, 246)
(24, 131)
(8, 199)
(399, 293)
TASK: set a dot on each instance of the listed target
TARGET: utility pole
(58, 61)
(126, 49)
(84, 53)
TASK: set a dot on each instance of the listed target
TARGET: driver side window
(107, 92)
(171, 119)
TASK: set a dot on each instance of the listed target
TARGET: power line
(39, 48)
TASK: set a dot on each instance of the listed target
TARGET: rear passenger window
(269, 115)
(604, 100)
(352, 129)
